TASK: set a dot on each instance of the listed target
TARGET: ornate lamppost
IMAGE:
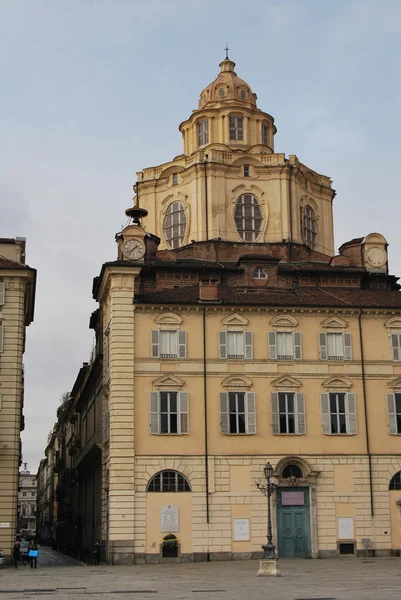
(268, 561)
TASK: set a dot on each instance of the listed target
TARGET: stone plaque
(346, 528)
(292, 499)
(169, 519)
(4, 525)
(241, 530)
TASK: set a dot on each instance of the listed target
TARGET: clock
(377, 257)
(133, 249)
(25, 482)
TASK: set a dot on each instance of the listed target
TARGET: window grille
(292, 471)
(203, 133)
(168, 481)
(236, 129)
(265, 134)
(309, 226)
(395, 483)
(248, 217)
(174, 225)
(347, 548)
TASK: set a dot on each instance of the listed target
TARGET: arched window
(259, 273)
(174, 225)
(248, 217)
(309, 226)
(395, 483)
(292, 471)
(168, 481)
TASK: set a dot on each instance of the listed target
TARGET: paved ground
(334, 579)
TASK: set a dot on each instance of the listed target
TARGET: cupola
(227, 88)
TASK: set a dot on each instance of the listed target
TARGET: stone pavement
(337, 579)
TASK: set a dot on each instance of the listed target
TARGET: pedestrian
(16, 554)
(33, 553)
(96, 552)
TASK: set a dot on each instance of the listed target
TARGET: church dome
(227, 88)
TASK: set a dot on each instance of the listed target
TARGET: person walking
(16, 554)
(96, 552)
(33, 553)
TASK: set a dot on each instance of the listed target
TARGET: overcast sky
(94, 90)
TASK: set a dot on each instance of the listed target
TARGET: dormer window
(259, 273)
(175, 179)
(265, 134)
(309, 226)
(236, 129)
(246, 171)
(203, 132)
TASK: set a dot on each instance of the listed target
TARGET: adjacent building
(229, 332)
(27, 502)
(17, 300)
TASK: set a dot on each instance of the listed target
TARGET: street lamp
(268, 561)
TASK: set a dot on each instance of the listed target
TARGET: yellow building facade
(232, 334)
(17, 298)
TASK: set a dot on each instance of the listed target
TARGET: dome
(227, 88)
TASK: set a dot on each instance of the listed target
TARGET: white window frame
(395, 343)
(236, 126)
(249, 413)
(247, 345)
(299, 413)
(182, 413)
(175, 225)
(259, 273)
(245, 224)
(203, 132)
(393, 415)
(347, 346)
(180, 344)
(296, 345)
(350, 413)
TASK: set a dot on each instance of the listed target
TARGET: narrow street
(51, 558)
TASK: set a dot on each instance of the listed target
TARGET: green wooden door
(293, 523)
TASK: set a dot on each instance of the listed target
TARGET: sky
(93, 91)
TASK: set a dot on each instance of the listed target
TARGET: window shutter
(351, 414)
(272, 345)
(155, 343)
(182, 344)
(250, 413)
(275, 421)
(1, 337)
(248, 344)
(297, 337)
(183, 410)
(392, 417)
(224, 422)
(325, 405)
(300, 408)
(154, 412)
(347, 346)
(222, 344)
(395, 346)
(323, 346)
(2, 292)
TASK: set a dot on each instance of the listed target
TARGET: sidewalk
(337, 579)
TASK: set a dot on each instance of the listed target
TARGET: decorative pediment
(334, 322)
(395, 384)
(168, 319)
(236, 381)
(235, 320)
(287, 382)
(168, 381)
(337, 382)
(393, 323)
(284, 321)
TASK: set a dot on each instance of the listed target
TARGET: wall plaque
(346, 528)
(169, 519)
(292, 499)
(241, 530)
(4, 525)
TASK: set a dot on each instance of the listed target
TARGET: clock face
(133, 249)
(377, 257)
(25, 482)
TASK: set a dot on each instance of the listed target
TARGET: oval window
(175, 223)
(248, 217)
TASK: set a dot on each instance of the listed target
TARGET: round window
(175, 223)
(292, 471)
(248, 217)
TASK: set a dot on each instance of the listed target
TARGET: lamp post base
(268, 568)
